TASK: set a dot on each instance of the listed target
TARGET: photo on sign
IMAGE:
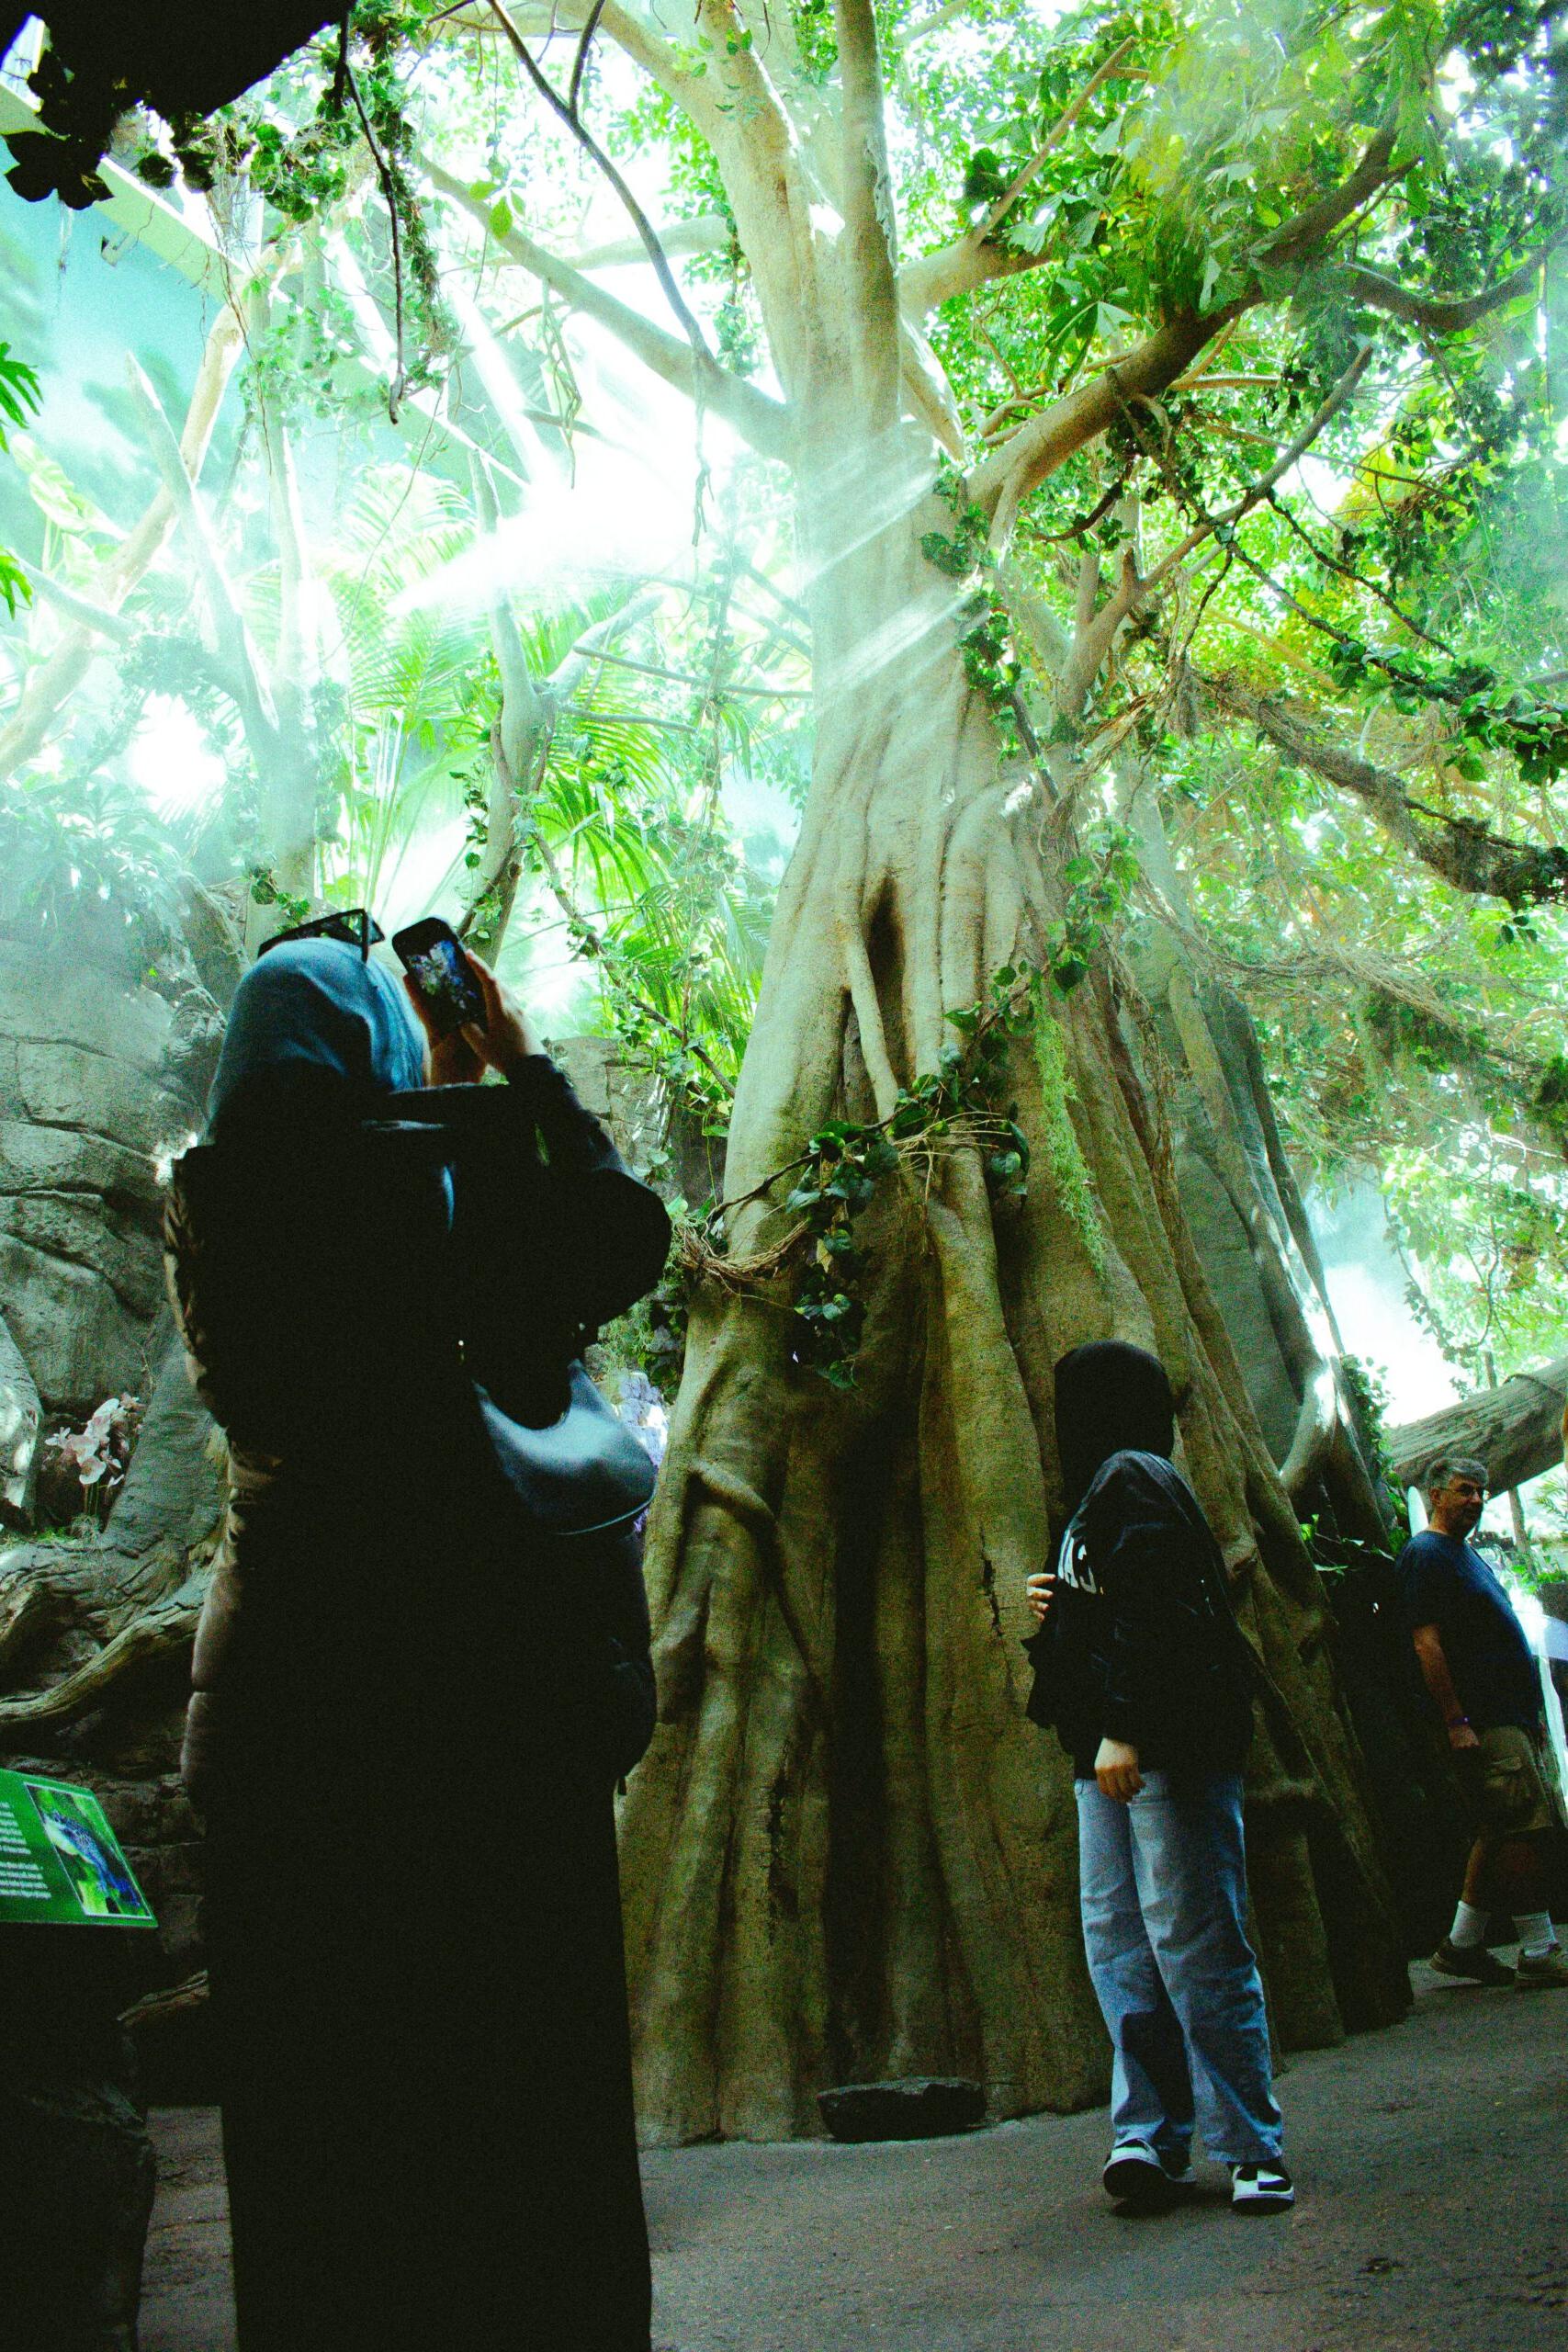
(85, 1846)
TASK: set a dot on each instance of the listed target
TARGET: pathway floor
(1432, 2162)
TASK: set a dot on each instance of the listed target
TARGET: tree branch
(763, 154)
(928, 391)
(398, 384)
(295, 662)
(593, 645)
(970, 261)
(566, 111)
(580, 62)
(56, 678)
(759, 420)
(243, 677)
(1001, 481)
(641, 42)
(169, 1625)
(1467, 855)
(870, 234)
(521, 740)
(86, 613)
(1310, 228)
(1095, 632)
(1059, 129)
(1291, 455)
(908, 36)
(1448, 313)
(705, 232)
(977, 259)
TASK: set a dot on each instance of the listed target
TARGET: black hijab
(1110, 1398)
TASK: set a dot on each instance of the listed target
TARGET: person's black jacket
(340, 1284)
(1141, 1643)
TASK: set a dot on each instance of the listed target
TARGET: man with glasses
(1482, 1675)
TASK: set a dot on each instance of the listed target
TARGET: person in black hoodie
(1142, 1670)
(411, 1707)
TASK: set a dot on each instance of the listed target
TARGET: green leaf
(56, 496)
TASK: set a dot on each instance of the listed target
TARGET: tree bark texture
(1248, 1220)
(849, 1854)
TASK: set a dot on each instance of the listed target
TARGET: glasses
(355, 926)
(1467, 1490)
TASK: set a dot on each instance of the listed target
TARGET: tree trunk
(847, 1854)
(1248, 1221)
(1517, 1429)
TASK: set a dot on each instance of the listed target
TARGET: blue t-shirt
(1444, 1583)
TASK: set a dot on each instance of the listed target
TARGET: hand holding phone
(470, 1017)
(443, 981)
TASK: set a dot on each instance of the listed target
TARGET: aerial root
(158, 1633)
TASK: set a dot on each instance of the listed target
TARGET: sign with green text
(60, 1865)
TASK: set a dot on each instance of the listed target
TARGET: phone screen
(440, 971)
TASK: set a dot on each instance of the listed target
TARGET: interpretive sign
(60, 1865)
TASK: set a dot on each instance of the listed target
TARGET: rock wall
(664, 1147)
(21, 1418)
(94, 1092)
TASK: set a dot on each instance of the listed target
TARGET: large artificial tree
(1039, 328)
(847, 1854)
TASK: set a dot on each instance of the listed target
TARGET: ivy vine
(991, 662)
(961, 1105)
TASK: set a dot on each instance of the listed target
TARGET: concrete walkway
(1432, 2162)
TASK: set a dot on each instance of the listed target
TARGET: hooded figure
(1142, 1644)
(409, 1707)
(313, 1025)
(1142, 1670)
(1111, 1398)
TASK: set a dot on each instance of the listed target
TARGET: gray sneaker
(1541, 1971)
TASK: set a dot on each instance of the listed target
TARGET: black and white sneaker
(1261, 2188)
(1136, 2174)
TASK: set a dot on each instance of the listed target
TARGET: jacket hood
(1110, 1397)
(313, 1020)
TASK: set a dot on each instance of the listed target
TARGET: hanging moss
(1069, 1170)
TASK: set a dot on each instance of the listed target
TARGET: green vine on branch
(1069, 1168)
(959, 1106)
(1099, 887)
(991, 662)
(267, 891)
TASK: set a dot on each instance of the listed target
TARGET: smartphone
(432, 955)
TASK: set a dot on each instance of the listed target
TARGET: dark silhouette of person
(1140, 1668)
(411, 1702)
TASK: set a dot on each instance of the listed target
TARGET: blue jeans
(1162, 1887)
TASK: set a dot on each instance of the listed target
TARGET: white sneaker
(1261, 2188)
